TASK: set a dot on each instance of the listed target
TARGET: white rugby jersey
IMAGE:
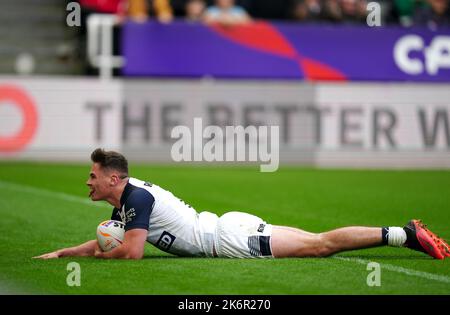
(173, 226)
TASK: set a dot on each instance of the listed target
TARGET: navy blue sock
(385, 235)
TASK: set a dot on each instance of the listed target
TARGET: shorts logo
(261, 228)
(165, 241)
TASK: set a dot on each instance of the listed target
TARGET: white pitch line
(409, 272)
(49, 193)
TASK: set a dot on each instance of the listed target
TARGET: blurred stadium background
(123, 73)
(343, 93)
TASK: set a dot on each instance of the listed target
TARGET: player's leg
(291, 242)
(288, 228)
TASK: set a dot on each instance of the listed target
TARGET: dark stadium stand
(37, 29)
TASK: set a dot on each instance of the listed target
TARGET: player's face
(99, 183)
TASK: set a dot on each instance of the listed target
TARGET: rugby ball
(110, 234)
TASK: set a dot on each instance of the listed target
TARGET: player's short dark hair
(111, 160)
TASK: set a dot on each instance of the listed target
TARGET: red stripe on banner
(315, 70)
(264, 37)
(258, 35)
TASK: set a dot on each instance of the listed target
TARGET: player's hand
(98, 253)
(51, 255)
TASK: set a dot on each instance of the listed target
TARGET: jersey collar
(126, 192)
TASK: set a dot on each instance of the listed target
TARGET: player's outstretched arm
(85, 249)
(131, 248)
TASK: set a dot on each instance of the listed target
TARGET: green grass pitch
(44, 207)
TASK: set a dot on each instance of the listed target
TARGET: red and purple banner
(264, 50)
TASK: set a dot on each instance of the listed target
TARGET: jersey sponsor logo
(165, 241)
(122, 215)
(261, 228)
(130, 214)
(127, 216)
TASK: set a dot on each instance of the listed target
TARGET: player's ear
(114, 179)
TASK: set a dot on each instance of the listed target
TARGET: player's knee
(324, 246)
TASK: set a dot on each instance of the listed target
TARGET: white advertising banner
(326, 124)
(383, 125)
(55, 118)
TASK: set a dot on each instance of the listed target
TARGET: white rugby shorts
(242, 235)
